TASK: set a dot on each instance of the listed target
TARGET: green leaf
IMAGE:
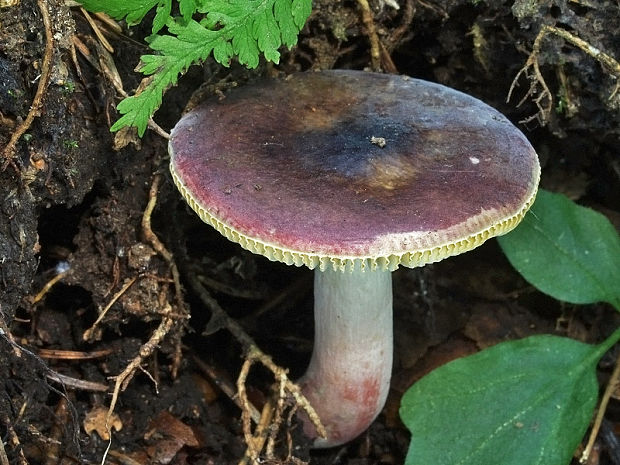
(567, 251)
(187, 8)
(265, 31)
(223, 52)
(231, 27)
(284, 16)
(245, 47)
(525, 402)
(192, 42)
(133, 11)
(162, 13)
(301, 12)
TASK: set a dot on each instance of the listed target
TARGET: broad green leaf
(525, 402)
(567, 251)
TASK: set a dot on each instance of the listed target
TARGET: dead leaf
(95, 420)
(169, 435)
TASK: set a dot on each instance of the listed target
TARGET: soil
(72, 208)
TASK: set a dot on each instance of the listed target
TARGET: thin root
(538, 88)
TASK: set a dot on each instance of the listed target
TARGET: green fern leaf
(245, 48)
(242, 28)
(132, 11)
(162, 13)
(301, 12)
(265, 31)
(284, 16)
(187, 8)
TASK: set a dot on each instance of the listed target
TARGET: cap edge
(389, 262)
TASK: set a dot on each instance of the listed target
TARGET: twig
(242, 293)
(611, 386)
(46, 72)
(106, 66)
(168, 315)
(252, 452)
(68, 381)
(403, 27)
(97, 31)
(123, 379)
(290, 294)
(72, 354)
(371, 30)
(150, 237)
(89, 332)
(125, 459)
(257, 440)
(277, 418)
(21, 351)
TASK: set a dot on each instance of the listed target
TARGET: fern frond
(229, 28)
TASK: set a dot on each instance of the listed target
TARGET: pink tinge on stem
(346, 412)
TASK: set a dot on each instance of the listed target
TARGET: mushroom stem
(348, 377)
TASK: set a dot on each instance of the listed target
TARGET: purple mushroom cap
(340, 167)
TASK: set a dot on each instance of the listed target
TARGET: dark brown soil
(70, 202)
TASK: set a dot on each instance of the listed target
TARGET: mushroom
(352, 174)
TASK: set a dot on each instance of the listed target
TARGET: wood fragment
(13, 439)
(109, 22)
(4, 460)
(52, 447)
(225, 386)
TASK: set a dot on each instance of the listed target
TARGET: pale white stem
(348, 378)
